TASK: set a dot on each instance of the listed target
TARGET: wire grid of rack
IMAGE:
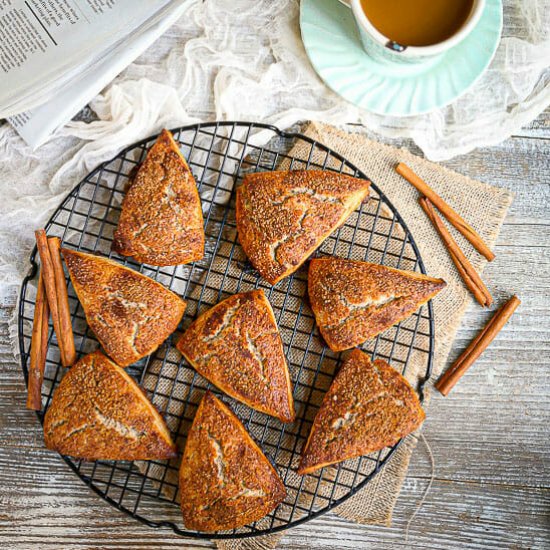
(219, 154)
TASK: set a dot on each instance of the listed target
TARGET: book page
(43, 39)
(36, 125)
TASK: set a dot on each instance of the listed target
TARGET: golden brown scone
(369, 406)
(130, 314)
(98, 412)
(161, 220)
(225, 480)
(354, 301)
(282, 217)
(236, 345)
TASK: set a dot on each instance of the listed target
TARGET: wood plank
(481, 515)
(463, 515)
(489, 438)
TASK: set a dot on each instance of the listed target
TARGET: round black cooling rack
(219, 154)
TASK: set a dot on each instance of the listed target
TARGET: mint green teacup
(379, 46)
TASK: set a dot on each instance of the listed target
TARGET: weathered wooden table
(489, 439)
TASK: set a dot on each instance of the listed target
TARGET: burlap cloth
(483, 205)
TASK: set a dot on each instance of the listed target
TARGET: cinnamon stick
(474, 289)
(54, 244)
(39, 348)
(454, 218)
(48, 275)
(469, 275)
(446, 383)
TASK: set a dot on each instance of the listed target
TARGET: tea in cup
(414, 29)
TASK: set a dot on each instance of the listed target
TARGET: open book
(56, 55)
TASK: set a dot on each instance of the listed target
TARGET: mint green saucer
(332, 43)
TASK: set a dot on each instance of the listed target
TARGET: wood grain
(491, 487)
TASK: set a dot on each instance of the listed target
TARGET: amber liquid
(417, 22)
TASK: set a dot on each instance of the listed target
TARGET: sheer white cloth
(244, 60)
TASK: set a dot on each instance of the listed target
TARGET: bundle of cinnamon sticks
(429, 201)
(429, 198)
(51, 298)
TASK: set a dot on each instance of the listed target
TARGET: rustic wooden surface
(489, 439)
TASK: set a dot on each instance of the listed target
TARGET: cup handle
(345, 2)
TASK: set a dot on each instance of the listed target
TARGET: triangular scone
(130, 314)
(225, 480)
(354, 301)
(369, 406)
(98, 412)
(282, 217)
(236, 345)
(161, 220)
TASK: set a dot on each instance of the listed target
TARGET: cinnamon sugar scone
(369, 406)
(161, 220)
(282, 217)
(236, 345)
(353, 301)
(98, 412)
(130, 314)
(225, 480)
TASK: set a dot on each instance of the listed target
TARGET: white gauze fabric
(244, 60)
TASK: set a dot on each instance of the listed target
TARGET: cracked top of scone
(236, 345)
(282, 217)
(225, 480)
(368, 406)
(354, 300)
(130, 314)
(161, 221)
(98, 412)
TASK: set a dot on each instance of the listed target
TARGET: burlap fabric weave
(484, 206)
